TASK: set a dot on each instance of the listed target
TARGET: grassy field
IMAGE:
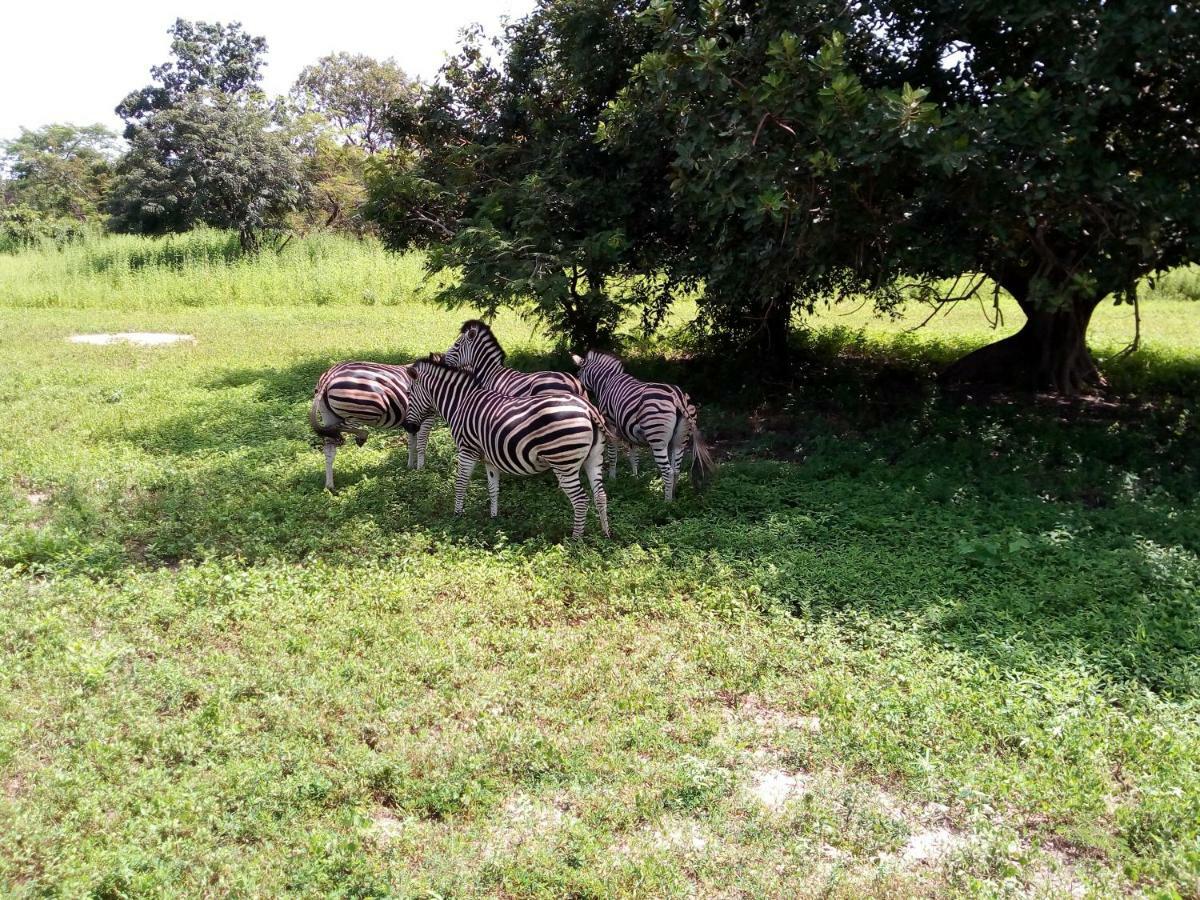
(907, 643)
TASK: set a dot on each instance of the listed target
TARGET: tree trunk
(1049, 353)
(769, 342)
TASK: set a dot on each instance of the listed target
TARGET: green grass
(930, 618)
(205, 268)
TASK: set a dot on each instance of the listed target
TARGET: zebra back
(519, 435)
(365, 394)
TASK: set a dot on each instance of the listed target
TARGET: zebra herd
(518, 423)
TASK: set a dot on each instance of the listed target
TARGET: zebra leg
(594, 469)
(360, 435)
(677, 447)
(423, 440)
(330, 452)
(610, 454)
(633, 458)
(493, 478)
(466, 465)
(568, 480)
(662, 459)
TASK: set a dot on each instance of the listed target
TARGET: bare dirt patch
(524, 818)
(140, 338)
(385, 826)
(775, 788)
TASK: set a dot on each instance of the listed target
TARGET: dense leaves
(205, 147)
(510, 185)
(1052, 148)
(206, 56)
(209, 160)
(59, 170)
(352, 94)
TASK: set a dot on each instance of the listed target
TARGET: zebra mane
(437, 361)
(604, 354)
(487, 330)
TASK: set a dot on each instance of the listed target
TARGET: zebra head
(433, 385)
(595, 366)
(476, 348)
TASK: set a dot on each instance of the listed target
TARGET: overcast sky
(73, 61)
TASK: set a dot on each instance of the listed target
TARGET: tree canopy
(205, 56)
(354, 94)
(59, 170)
(205, 146)
(509, 184)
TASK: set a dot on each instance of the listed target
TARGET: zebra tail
(318, 425)
(702, 462)
(602, 429)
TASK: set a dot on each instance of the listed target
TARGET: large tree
(342, 105)
(510, 186)
(1049, 145)
(59, 170)
(212, 160)
(205, 56)
(354, 95)
(205, 145)
(1075, 132)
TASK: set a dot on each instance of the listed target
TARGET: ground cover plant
(907, 642)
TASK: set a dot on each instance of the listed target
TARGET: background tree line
(204, 145)
(601, 158)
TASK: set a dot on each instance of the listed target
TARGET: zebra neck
(489, 362)
(449, 388)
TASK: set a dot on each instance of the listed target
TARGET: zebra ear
(578, 360)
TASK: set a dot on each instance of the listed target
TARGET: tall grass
(206, 268)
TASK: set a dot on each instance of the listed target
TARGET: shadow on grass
(1031, 534)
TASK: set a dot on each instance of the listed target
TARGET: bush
(23, 227)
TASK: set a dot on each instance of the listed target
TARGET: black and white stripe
(478, 350)
(639, 413)
(555, 432)
(352, 396)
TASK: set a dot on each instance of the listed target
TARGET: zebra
(514, 435)
(477, 349)
(638, 412)
(353, 395)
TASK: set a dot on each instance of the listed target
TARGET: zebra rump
(353, 396)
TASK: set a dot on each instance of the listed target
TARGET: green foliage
(211, 160)
(206, 57)
(213, 673)
(832, 149)
(205, 147)
(58, 171)
(207, 268)
(354, 94)
(22, 228)
(509, 186)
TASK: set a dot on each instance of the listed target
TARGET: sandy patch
(522, 819)
(769, 718)
(775, 788)
(385, 826)
(140, 338)
(686, 836)
(930, 846)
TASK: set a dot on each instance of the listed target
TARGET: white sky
(74, 60)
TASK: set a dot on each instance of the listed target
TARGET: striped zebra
(353, 395)
(644, 413)
(515, 435)
(477, 349)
